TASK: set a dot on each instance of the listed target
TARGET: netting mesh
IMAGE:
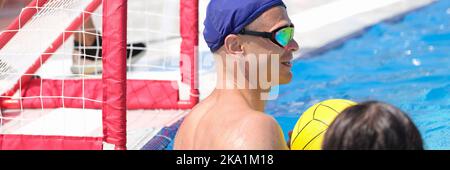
(153, 43)
(32, 40)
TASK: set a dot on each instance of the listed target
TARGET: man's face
(258, 46)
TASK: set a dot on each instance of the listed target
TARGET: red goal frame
(118, 94)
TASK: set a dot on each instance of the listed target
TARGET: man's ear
(233, 44)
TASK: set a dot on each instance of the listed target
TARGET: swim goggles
(281, 36)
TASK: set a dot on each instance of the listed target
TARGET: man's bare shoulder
(257, 119)
(257, 130)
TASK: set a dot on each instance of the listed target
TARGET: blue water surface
(405, 62)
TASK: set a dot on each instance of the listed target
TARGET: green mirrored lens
(284, 36)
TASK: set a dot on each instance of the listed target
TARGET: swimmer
(234, 118)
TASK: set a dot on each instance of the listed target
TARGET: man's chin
(285, 79)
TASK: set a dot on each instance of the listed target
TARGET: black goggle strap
(259, 34)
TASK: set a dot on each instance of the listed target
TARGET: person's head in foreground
(252, 42)
(372, 125)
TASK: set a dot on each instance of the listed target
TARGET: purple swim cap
(225, 17)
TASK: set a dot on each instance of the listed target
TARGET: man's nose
(292, 46)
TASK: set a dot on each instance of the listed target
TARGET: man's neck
(227, 86)
(252, 97)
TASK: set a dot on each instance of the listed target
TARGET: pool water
(405, 62)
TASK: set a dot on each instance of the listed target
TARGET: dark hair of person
(372, 125)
